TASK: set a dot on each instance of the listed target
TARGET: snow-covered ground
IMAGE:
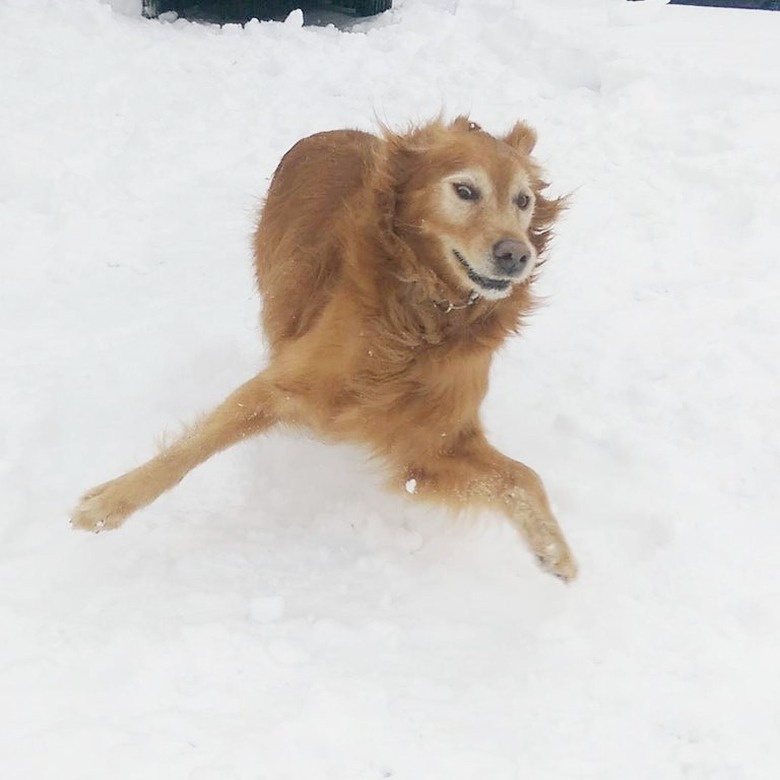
(278, 616)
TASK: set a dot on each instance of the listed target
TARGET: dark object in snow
(761, 5)
(222, 11)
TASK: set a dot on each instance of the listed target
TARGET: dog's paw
(558, 561)
(100, 509)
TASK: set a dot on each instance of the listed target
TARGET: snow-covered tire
(371, 7)
(361, 7)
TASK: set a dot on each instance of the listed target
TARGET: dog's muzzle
(485, 282)
(509, 260)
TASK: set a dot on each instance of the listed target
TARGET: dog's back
(297, 252)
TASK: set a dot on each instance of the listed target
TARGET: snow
(278, 616)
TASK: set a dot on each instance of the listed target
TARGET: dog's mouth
(485, 282)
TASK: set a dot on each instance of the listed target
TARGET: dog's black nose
(511, 256)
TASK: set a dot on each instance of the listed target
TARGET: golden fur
(382, 320)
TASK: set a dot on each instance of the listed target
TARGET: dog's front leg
(475, 474)
(250, 410)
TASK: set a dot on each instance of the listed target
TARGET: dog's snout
(511, 256)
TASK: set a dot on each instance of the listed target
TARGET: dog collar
(448, 306)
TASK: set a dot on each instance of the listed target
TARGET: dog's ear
(521, 137)
(393, 165)
(401, 152)
(462, 122)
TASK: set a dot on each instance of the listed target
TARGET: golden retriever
(391, 268)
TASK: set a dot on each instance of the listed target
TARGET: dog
(391, 268)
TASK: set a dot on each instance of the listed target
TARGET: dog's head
(474, 202)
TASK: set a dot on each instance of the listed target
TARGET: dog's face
(474, 197)
(482, 225)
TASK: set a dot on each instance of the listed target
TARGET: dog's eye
(523, 201)
(467, 192)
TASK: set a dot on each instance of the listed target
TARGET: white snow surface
(279, 616)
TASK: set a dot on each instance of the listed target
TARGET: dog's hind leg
(249, 410)
(474, 474)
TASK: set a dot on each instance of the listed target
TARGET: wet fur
(370, 333)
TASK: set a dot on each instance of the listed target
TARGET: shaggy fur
(383, 304)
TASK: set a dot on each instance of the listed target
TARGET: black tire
(371, 7)
(362, 7)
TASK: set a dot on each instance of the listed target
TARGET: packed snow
(279, 616)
